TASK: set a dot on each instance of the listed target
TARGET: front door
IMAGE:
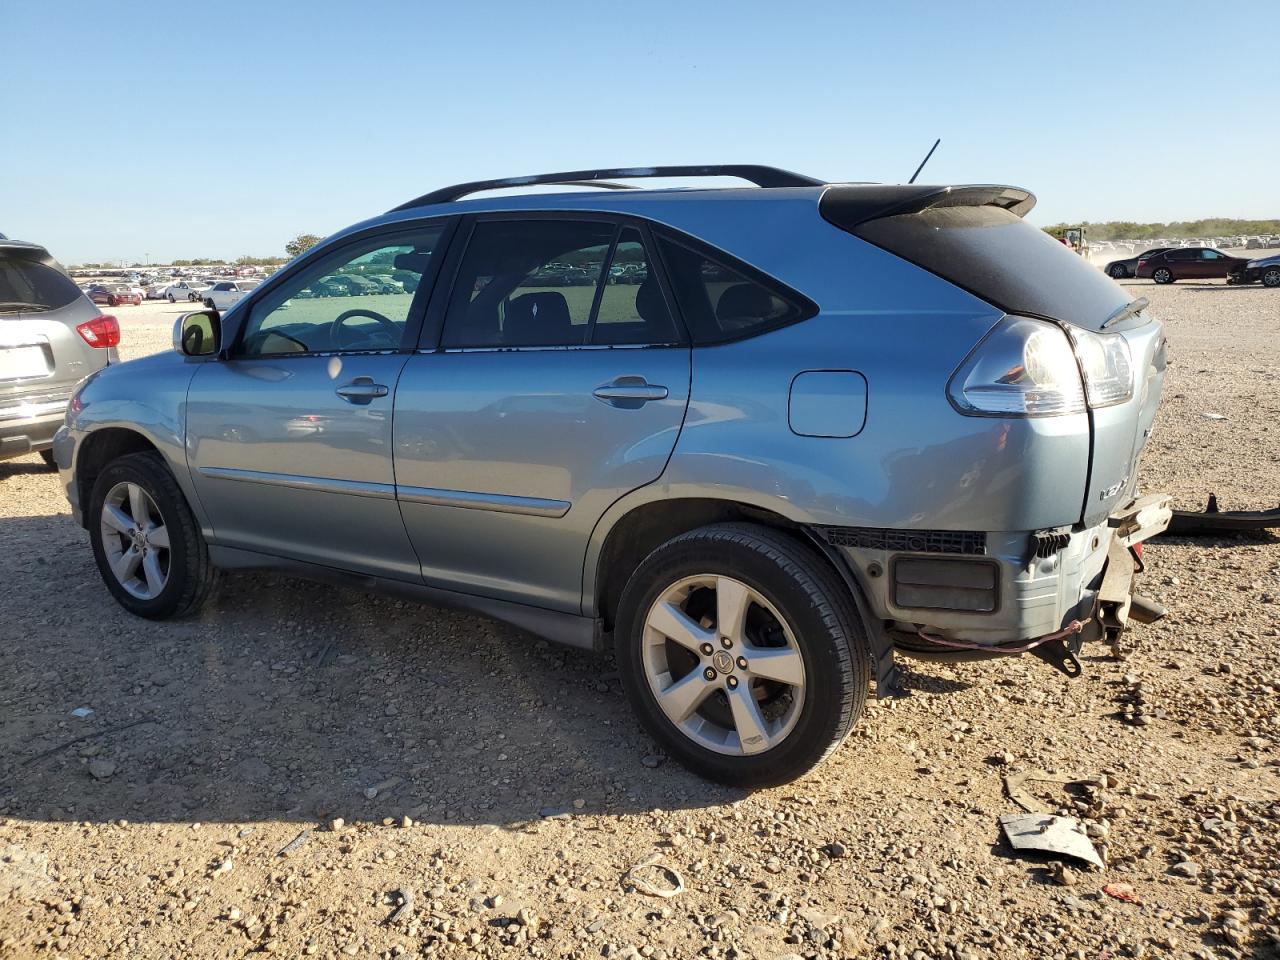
(289, 439)
(559, 386)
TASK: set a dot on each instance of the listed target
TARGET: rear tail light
(1024, 368)
(103, 331)
(1141, 264)
(1031, 368)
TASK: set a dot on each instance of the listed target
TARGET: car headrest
(745, 301)
(539, 319)
(650, 304)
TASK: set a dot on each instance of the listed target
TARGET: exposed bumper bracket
(1061, 655)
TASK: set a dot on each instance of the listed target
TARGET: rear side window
(722, 303)
(555, 283)
(27, 285)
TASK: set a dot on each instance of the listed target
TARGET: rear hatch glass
(28, 285)
(1001, 258)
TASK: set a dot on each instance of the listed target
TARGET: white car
(224, 293)
(185, 290)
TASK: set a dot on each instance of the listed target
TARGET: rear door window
(720, 302)
(555, 283)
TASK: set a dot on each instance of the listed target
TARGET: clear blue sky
(174, 130)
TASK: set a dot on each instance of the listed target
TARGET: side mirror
(198, 334)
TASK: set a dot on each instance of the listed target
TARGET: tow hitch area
(1213, 522)
(1061, 654)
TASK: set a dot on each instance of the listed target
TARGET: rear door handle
(629, 393)
(361, 390)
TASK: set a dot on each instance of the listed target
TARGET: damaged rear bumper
(1045, 592)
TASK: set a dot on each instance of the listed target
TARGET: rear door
(551, 394)
(289, 436)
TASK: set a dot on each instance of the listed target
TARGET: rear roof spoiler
(851, 205)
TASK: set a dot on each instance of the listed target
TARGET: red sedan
(113, 295)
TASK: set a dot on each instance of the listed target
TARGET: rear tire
(807, 661)
(1271, 277)
(183, 576)
(171, 300)
(1162, 275)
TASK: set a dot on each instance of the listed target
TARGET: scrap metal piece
(1215, 522)
(1049, 834)
(1015, 786)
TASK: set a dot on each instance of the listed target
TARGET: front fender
(146, 398)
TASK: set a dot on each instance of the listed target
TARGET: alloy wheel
(723, 665)
(135, 540)
(1271, 278)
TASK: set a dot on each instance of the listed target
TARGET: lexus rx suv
(828, 424)
(51, 336)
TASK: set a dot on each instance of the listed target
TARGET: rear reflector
(103, 331)
(971, 586)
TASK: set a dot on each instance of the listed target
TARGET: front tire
(1271, 277)
(1162, 275)
(171, 300)
(147, 544)
(742, 653)
(1118, 272)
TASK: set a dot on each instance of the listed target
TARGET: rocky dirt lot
(307, 771)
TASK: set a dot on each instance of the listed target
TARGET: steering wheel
(388, 326)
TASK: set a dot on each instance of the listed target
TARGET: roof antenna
(925, 160)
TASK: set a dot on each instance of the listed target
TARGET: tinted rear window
(27, 285)
(721, 303)
(1001, 258)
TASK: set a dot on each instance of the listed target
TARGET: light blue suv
(758, 439)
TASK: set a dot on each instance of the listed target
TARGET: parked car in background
(184, 290)
(114, 294)
(156, 289)
(51, 338)
(224, 293)
(1121, 269)
(1188, 263)
(755, 501)
(1265, 270)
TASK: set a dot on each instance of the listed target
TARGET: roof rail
(761, 176)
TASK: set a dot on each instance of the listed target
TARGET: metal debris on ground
(1213, 521)
(295, 844)
(1015, 786)
(647, 887)
(1049, 834)
(404, 895)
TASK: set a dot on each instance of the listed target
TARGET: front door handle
(361, 390)
(630, 393)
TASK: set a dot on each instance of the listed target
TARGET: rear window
(998, 256)
(721, 303)
(27, 285)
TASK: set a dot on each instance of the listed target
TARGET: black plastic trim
(761, 176)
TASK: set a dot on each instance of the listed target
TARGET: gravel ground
(310, 771)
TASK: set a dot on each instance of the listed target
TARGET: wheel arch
(99, 448)
(628, 534)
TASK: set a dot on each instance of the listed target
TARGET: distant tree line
(1180, 229)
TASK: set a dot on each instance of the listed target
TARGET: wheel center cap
(722, 661)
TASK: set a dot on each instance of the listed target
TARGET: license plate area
(24, 362)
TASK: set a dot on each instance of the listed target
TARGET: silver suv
(758, 439)
(51, 336)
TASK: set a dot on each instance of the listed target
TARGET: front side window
(721, 303)
(331, 306)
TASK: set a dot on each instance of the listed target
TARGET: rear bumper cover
(29, 423)
(1010, 587)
